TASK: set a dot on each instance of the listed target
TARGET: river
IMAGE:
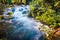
(23, 27)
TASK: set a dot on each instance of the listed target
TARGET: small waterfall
(24, 28)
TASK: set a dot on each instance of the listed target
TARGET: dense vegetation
(47, 11)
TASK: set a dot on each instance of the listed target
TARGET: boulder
(56, 35)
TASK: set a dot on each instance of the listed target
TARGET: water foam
(23, 24)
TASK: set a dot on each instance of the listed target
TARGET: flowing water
(23, 27)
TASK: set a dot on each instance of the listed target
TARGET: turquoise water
(23, 27)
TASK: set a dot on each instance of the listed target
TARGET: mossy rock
(2, 6)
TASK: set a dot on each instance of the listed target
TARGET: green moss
(46, 11)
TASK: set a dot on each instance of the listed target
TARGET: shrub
(46, 11)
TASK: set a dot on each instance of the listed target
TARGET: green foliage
(46, 11)
(49, 17)
(57, 4)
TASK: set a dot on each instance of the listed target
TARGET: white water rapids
(23, 24)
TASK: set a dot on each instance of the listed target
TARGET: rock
(1, 8)
(2, 34)
(56, 35)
